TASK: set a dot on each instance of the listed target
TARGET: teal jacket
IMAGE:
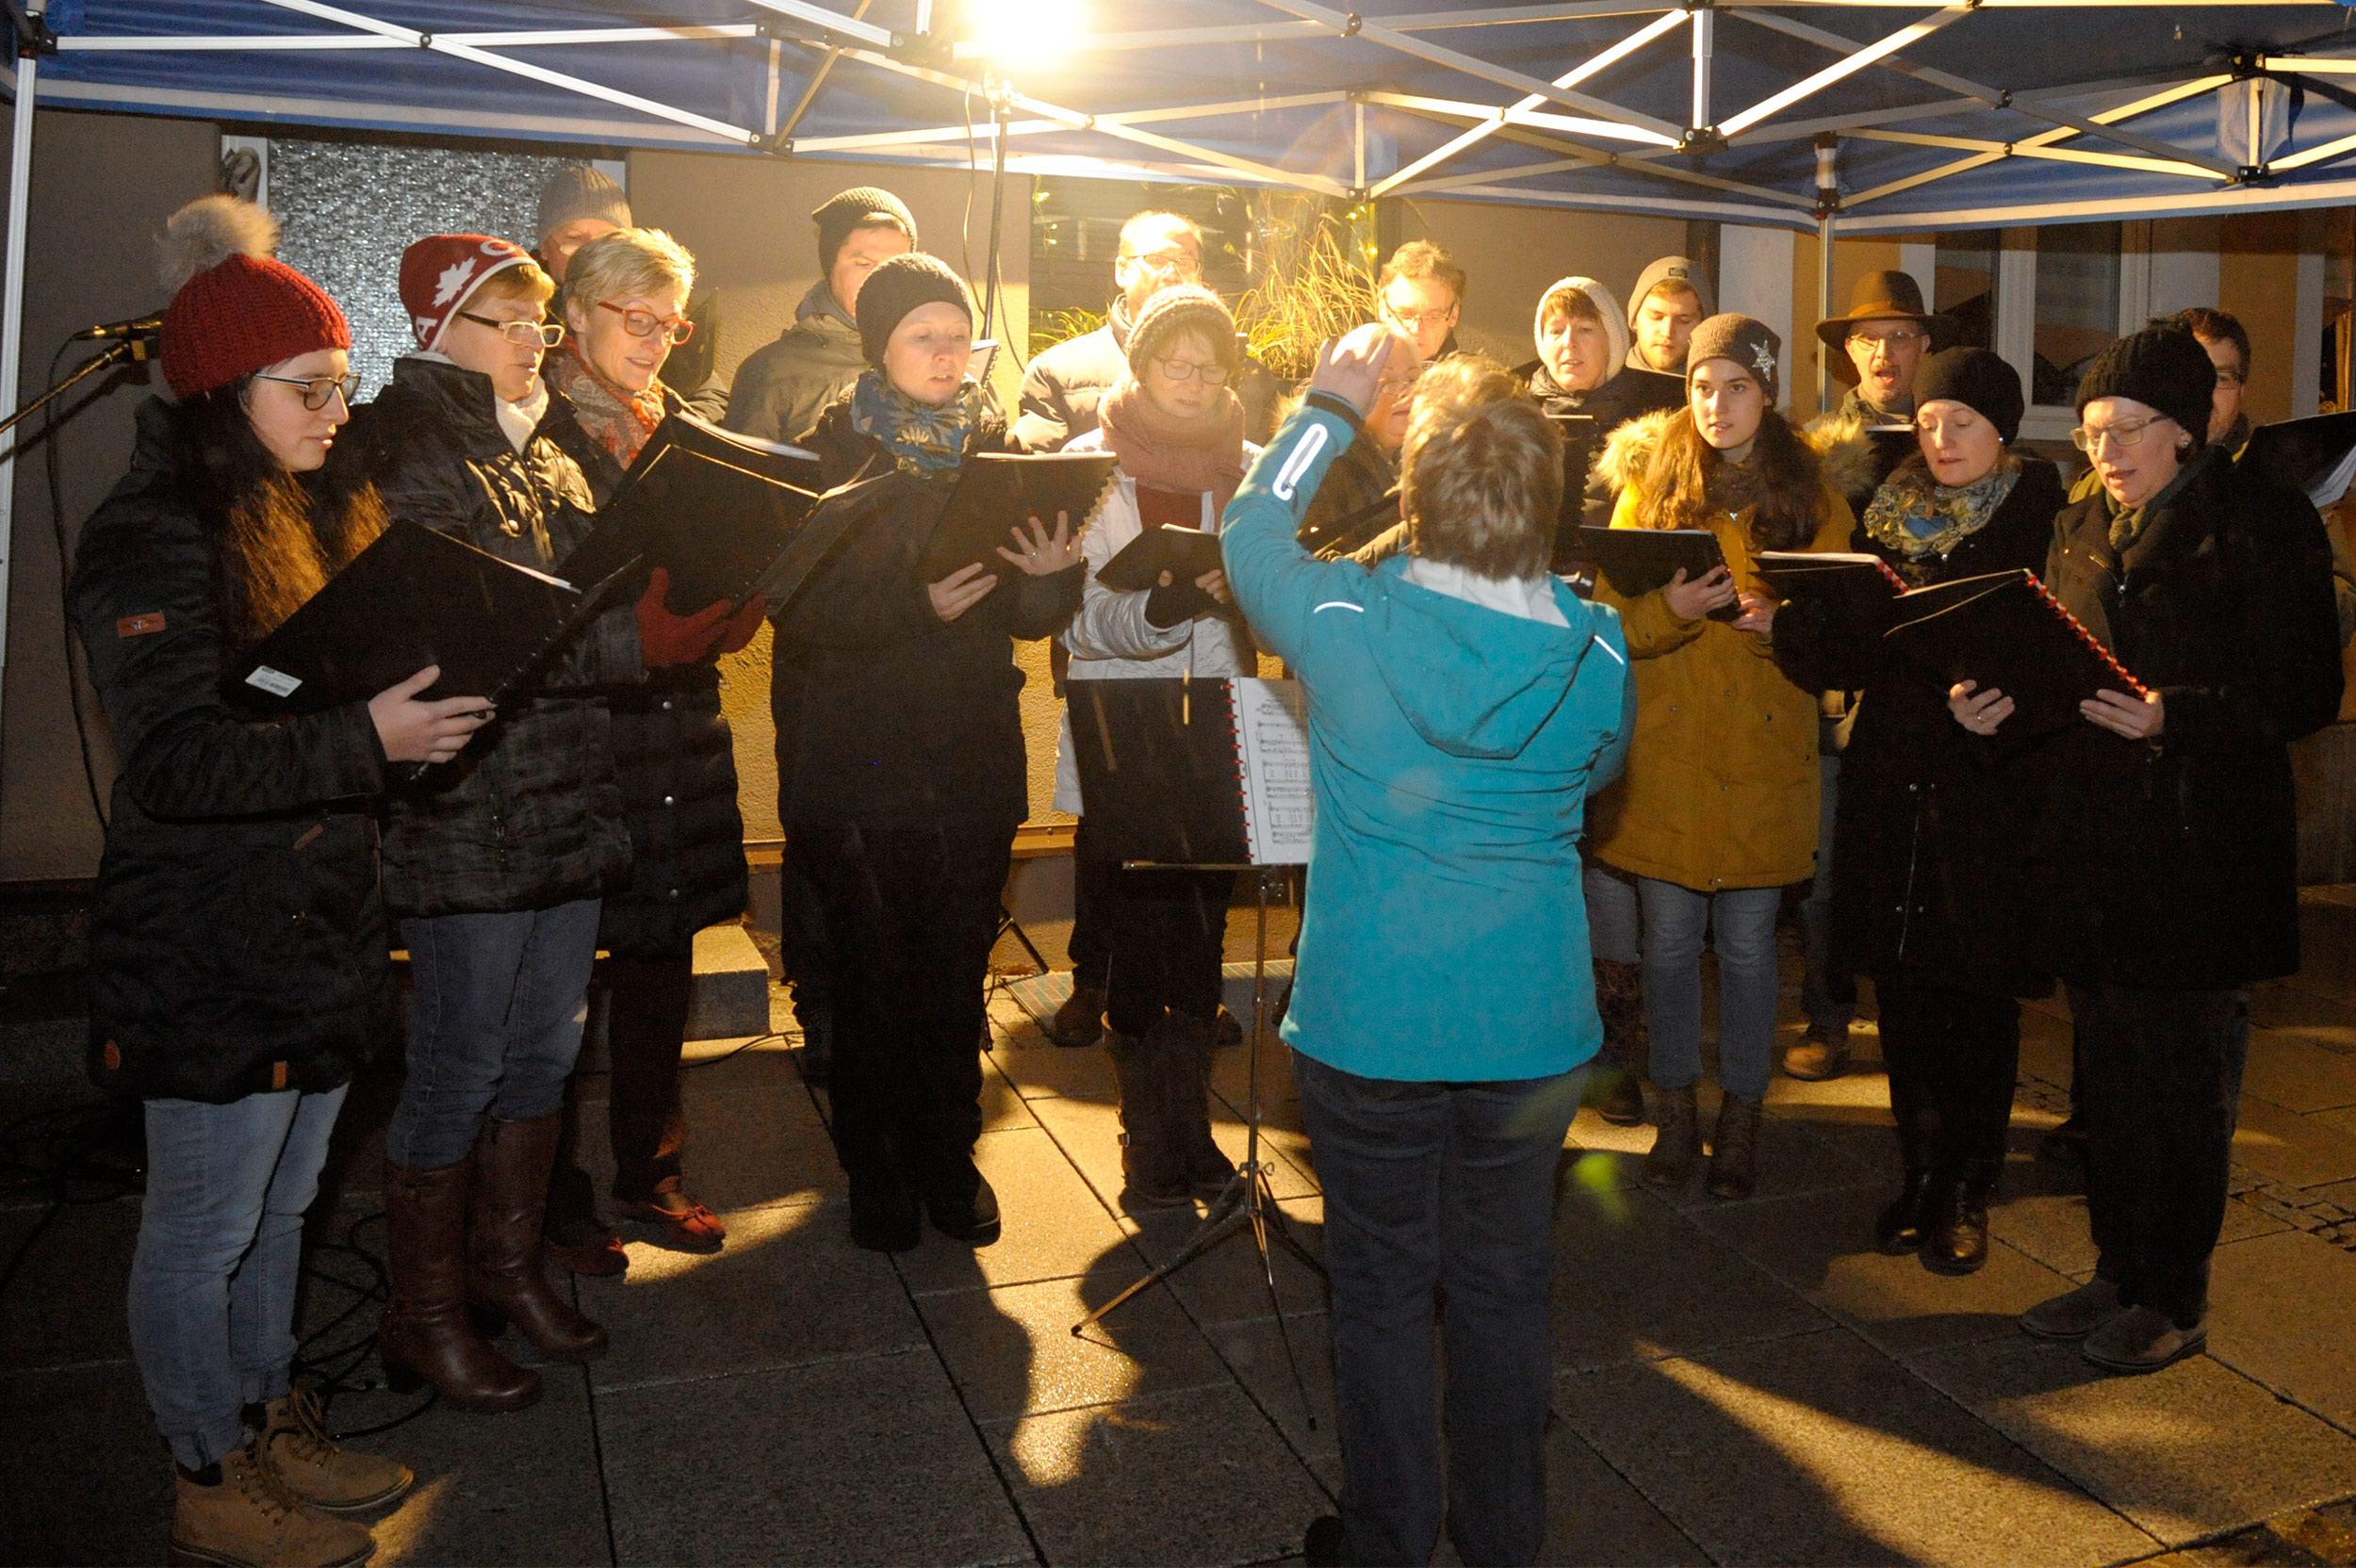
(1452, 748)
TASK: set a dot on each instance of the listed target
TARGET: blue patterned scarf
(921, 439)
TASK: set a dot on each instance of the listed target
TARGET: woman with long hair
(907, 776)
(1176, 424)
(625, 304)
(238, 958)
(1717, 813)
(1921, 898)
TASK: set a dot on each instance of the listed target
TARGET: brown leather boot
(1734, 1150)
(1180, 1048)
(509, 1281)
(1675, 1148)
(424, 1335)
(1153, 1170)
(1619, 1090)
(247, 1518)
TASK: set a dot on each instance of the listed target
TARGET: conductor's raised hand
(1978, 711)
(414, 731)
(1351, 367)
(1040, 553)
(2136, 718)
(962, 590)
(1690, 601)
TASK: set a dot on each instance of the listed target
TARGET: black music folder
(1859, 590)
(713, 508)
(2315, 456)
(1194, 772)
(412, 598)
(1185, 553)
(1636, 560)
(996, 491)
(2007, 631)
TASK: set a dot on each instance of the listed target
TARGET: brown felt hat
(1882, 296)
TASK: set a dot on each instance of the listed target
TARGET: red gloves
(673, 639)
(741, 625)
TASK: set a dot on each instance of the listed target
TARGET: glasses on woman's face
(2127, 434)
(318, 390)
(547, 334)
(642, 323)
(1187, 369)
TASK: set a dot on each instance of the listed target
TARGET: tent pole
(1704, 44)
(12, 321)
(1824, 310)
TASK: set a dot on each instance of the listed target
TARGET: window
(2077, 304)
(1966, 288)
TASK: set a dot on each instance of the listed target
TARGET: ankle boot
(1153, 1170)
(1734, 1147)
(1620, 1003)
(424, 1336)
(1898, 1229)
(507, 1281)
(1955, 1219)
(1180, 1048)
(1679, 1142)
(241, 1515)
(335, 1479)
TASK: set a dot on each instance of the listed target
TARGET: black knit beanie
(1748, 342)
(2163, 367)
(862, 206)
(899, 285)
(1982, 382)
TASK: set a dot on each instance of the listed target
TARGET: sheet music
(1272, 743)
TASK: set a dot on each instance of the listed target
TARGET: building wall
(102, 186)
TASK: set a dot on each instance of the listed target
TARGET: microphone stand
(116, 352)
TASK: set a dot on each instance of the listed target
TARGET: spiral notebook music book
(996, 491)
(2007, 631)
(1636, 560)
(713, 508)
(412, 598)
(1194, 772)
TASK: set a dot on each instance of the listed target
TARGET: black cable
(65, 590)
(333, 1369)
(80, 1155)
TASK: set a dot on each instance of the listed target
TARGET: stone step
(729, 998)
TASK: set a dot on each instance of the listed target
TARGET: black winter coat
(675, 762)
(1628, 395)
(897, 718)
(1926, 886)
(238, 939)
(2172, 864)
(528, 816)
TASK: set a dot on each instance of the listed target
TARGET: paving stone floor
(1736, 1383)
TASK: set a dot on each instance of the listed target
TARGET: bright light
(1019, 31)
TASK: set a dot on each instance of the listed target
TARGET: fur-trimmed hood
(1843, 450)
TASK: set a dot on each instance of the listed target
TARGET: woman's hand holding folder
(414, 731)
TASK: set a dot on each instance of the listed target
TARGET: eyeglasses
(547, 334)
(1413, 320)
(316, 390)
(1187, 369)
(1169, 261)
(1896, 339)
(2126, 435)
(640, 323)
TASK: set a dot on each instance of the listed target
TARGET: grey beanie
(1614, 323)
(1750, 343)
(577, 190)
(1676, 270)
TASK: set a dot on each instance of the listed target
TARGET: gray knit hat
(1676, 269)
(862, 206)
(1749, 343)
(2163, 368)
(577, 190)
(899, 285)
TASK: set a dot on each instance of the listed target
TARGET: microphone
(138, 329)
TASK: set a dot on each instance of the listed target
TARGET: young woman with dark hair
(1718, 812)
(238, 957)
(907, 782)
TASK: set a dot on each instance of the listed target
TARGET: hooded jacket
(1721, 782)
(238, 938)
(1451, 749)
(781, 389)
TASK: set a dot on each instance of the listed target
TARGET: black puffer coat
(237, 940)
(528, 816)
(1926, 882)
(2172, 864)
(675, 762)
(898, 718)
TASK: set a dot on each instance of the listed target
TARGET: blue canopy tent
(1830, 116)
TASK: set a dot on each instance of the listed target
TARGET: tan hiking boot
(1824, 1053)
(294, 1439)
(249, 1519)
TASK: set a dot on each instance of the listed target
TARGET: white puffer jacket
(1111, 640)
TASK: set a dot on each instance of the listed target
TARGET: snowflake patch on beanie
(452, 279)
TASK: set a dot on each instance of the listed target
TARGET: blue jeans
(500, 1001)
(1829, 999)
(1432, 1186)
(1741, 923)
(220, 1244)
(1614, 925)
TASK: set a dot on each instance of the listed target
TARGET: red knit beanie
(439, 272)
(236, 310)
